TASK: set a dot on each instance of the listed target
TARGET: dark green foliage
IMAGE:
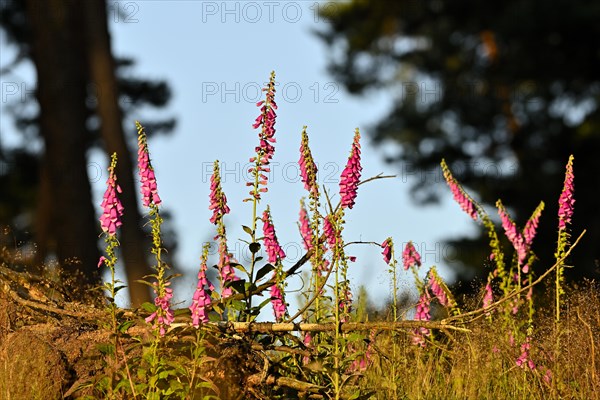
(504, 91)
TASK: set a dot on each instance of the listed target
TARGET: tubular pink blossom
(437, 289)
(112, 209)
(308, 168)
(201, 300)
(146, 172)
(272, 246)
(350, 177)
(279, 306)
(410, 256)
(387, 250)
(488, 298)
(345, 303)
(422, 314)
(163, 316)
(307, 340)
(566, 201)
(218, 200)
(227, 274)
(512, 233)
(305, 231)
(329, 231)
(265, 150)
(531, 226)
(525, 358)
(460, 196)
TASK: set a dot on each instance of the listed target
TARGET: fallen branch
(274, 327)
(257, 379)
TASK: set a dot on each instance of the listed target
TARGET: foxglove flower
(422, 314)
(345, 302)
(308, 168)
(387, 250)
(329, 231)
(525, 359)
(112, 209)
(146, 172)
(265, 150)
(410, 256)
(163, 316)
(307, 340)
(513, 234)
(226, 271)
(350, 177)
(531, 226)
(272, 246)
(201, 300)
(279, 306)
(437, 289)
(566, 201)
(218, 200)
(305, 230)
(460, 196)
(488, 297)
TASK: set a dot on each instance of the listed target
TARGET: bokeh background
(422, 81)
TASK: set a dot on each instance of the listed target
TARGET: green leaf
(105, 348)
(148, 307)
(247, 230)
(175, 385)
(263, 271)
(264, 303)
(254, 247)
(181, 311)
(117, 288)
(238, 305)
(168, 278)
(239, 266)
(144, 282)
(124, 326)
(250, 287)
(164, 374)
(239, 285)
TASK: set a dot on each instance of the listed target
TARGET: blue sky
(215, 55)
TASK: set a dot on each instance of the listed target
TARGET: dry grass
(482, 364)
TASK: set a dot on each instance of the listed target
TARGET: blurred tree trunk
(102, 74)
(59, 58)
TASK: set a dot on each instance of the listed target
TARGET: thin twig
(517, 292)
(317, 294)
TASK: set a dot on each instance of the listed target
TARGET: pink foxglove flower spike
(265, 150)
(387, 250)
(410, 256)
(350, 177)
(274, 250)
(422, 314)
(112, 209)
(512, 233)
(460, 196)
(566, 201)
(201, 300)
(308, 168)
(279, 306)
(305, 230)
(146, 172)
